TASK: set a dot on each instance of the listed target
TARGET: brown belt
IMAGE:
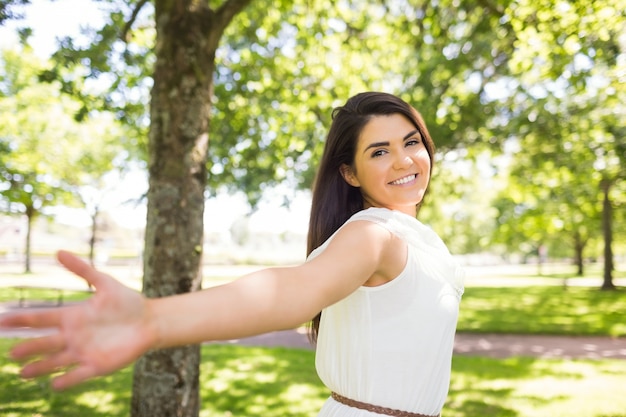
(375, 408)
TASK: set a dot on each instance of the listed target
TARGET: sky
(53, 20)
(50, 20)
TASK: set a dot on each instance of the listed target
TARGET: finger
(31, 318)
(73, 377)
(37, 347)
(81, 268)
(48, 365)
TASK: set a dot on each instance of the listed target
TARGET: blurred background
(525, 102)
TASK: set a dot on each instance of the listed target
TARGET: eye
(379, 152)
(412, 142)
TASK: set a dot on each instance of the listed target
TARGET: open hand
(97, 337)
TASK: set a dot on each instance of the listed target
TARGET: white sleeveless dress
(391, 345)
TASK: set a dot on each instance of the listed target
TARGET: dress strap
(375, 408)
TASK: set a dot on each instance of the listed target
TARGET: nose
(403, 161)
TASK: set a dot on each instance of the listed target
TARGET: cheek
(423, 158)
(371, 169)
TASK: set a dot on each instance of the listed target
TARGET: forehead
(385, 128)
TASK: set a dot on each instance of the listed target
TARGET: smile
(404, 180)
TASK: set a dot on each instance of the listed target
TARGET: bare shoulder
(360, 253)
(361, 239)
(389, 250)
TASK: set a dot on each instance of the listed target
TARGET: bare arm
(117, 325)
(274, 298)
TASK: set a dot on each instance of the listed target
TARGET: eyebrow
(377, 144)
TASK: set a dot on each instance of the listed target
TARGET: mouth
(404, 180)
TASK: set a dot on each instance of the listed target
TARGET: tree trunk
(579, 247)
(30, 218)
(607, 232)
(92, 239)
(166, 382)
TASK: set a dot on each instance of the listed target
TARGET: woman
(386, 286)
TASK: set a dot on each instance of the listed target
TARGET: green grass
(38, 295)
(276, 382)
(531, 387)
(560, 271)
(523, 310)
(543, 310)
(243, 381)
(270, 382)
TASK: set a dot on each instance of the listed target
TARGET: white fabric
(391, 345)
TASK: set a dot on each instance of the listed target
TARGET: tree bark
(30, 219)
(165, 382)
(579, 248)
(94, 237)
(607, 232)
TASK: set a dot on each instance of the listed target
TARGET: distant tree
(568, 98)
(102, 154)
(37, 129)
(52, 157)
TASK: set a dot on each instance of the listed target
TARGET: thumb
(81, 268)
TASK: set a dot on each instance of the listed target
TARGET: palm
(94, 338)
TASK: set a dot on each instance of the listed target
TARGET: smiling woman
(381, 286)
(391, 166)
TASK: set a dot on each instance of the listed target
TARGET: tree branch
(132, 19)
(228, 11)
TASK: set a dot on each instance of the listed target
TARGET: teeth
(404, 180)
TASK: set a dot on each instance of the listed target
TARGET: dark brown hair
(334, 200)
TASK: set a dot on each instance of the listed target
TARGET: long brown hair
(334, 201)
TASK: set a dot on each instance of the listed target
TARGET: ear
(348, 175)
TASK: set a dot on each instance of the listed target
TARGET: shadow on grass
(526, 386)
(543, 310)
(108, 396)
(234, 381)
(277, 382)
(468, 397)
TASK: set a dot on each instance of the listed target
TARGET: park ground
(47, 274)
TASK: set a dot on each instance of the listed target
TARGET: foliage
(51, 159)
(112, 71)
(482, 73)
(459, 201)
(563, 120)
(36, 127)
(289, 70)
(6, 9)
(301, 61)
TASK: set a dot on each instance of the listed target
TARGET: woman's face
(391, 164)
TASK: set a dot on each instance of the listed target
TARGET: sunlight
(100, 401)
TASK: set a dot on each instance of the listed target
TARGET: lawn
(277, 382)
(524, 310)
(543, 310)
(243, 381)
(40, 295)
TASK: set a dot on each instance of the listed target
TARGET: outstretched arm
(117, 325)
(115, 319)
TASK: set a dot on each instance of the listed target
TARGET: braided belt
(375, 408)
